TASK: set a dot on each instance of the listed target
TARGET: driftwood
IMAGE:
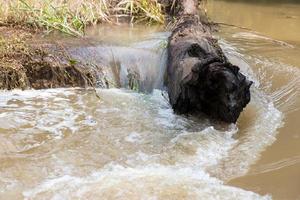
(199, 76)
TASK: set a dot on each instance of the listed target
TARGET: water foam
(148, 182)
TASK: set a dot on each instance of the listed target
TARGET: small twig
(225, 24)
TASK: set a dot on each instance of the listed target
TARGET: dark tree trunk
(199, 76)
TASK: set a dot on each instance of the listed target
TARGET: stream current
(69, 144)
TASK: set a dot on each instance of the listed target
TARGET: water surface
(270, 41)
(69, 144)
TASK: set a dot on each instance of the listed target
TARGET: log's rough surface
(199, 76)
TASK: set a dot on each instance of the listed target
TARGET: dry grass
(72, 16)
(149, 11)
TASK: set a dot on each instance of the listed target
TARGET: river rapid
(70, 144)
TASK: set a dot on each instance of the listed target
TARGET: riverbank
(27, 62)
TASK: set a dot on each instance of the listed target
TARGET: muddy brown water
(68, 144)
(272, 41)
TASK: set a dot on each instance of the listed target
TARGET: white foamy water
(150, 182)
(124, 146)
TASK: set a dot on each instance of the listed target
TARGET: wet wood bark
(199, 76)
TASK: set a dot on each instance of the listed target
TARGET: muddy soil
(27, 61)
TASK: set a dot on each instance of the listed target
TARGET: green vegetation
(73, 16)
(141, 10)
(133, 80)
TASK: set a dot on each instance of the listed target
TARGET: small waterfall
(140, 66)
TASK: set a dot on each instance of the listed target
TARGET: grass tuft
(73, 16)
(53, 18)
(149, 11)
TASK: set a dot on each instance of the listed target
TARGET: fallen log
(199, 76)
